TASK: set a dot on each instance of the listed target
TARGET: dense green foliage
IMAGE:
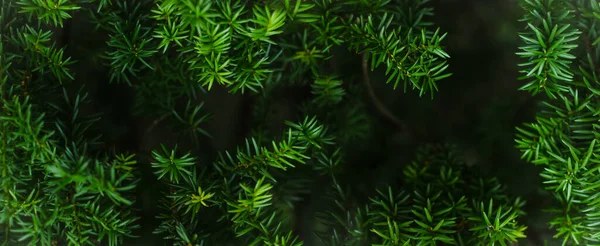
(62, 184)
(560, 50)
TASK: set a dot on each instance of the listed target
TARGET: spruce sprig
(416, 60)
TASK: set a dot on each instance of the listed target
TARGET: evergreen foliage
(62, 184)
(560, 50)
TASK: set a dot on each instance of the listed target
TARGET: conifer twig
(378, 104)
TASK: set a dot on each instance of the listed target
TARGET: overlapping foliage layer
(62, 185)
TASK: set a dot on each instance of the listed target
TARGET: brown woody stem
(378, 104)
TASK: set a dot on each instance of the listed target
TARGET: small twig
(156, 122)
(378, 104)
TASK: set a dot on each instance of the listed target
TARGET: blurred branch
(378, 104)
(590, 50)
(156, 122)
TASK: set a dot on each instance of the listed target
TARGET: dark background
(477, 108)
